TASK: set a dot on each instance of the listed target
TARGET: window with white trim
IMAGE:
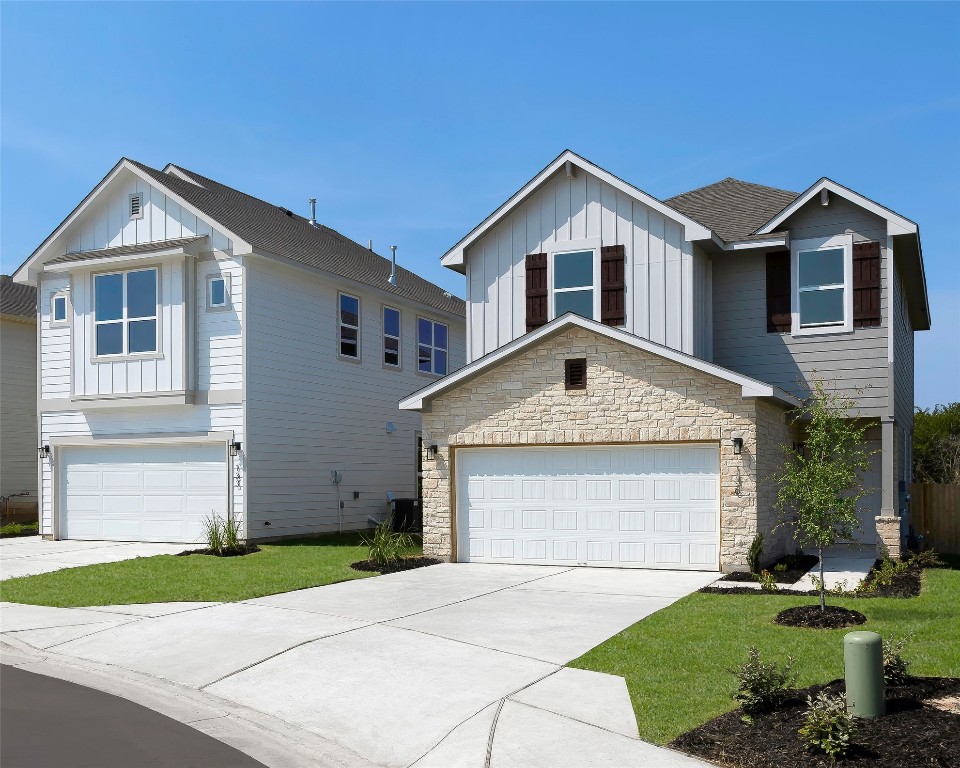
(574, 283)
(59, 307)
(349, 315)
(822, 297)
(218, 292)
(431, 347)
(391, 337)
(125, 312)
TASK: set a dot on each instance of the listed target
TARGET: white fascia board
(758, 242)
(896, 223)
(166, 253)
(693, 230)
(27, 273)
(749, 387)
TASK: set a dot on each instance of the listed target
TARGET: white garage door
(142, 493)
(620, 506)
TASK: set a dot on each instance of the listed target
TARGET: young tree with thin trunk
(821, 486)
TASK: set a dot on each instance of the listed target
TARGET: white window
(125, 312)
(431, 347)
(574, 279)
(59, 307)
(136, 205)
(349, 326)
(218, 292)
(391, 337)
(822, 275)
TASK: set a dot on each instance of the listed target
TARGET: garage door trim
(455, 452)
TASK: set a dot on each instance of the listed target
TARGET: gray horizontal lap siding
(855, 360)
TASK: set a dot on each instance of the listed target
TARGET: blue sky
(411, 122)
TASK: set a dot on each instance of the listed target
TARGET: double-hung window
(125, 312)
(431, 347)
(391, 337)
(349, 326)
(822, 301)
(573, 283)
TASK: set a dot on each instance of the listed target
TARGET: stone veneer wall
(631, 397)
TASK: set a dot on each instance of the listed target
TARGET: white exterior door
(142, 492)
(616, 506)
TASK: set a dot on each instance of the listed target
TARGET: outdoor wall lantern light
(44, 451)
(737, 446)
(235, 448)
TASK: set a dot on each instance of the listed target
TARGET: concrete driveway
(452, 665)
(29, 555)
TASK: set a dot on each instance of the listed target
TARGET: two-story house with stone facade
(631, 363)
(205, 353)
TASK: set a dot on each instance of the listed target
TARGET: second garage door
(142, 492)
(620, 506)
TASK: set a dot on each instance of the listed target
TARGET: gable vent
(136, 205)
(575, 373)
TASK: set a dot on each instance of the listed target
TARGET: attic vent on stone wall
(575, 373)
(136, 205)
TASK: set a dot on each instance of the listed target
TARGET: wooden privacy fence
(935, 514)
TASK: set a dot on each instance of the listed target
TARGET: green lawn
(676, 662)
(278, 567)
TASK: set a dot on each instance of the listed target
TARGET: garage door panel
(142, 492)
(595, 514)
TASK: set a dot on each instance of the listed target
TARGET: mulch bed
(811, 617)
(910, 734)
(405, 564)
(247, 549)
(797, 567)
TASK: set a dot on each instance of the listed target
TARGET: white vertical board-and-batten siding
(18, 407)
(137, 422)
(108, 224)
(310, 412)
(661, 267)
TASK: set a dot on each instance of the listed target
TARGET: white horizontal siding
(219, 336)
(18, 408)
(141, 422)
(310, 412)
(660, 269)
(54, 342)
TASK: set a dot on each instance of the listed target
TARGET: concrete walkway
(30, 555)
(447, 666)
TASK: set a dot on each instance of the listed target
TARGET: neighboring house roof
(281, 232)
(750, 387)
(17, 299)
(732, 208)
(124, 250)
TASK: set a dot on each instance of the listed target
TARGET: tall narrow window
(573, 284)
(431, 347)
(125, 312)
(349, 326)
(58, 309)
(217, 292)
(391, 337)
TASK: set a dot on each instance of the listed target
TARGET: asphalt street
(50, 723)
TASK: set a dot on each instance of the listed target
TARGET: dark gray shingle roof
(122, 250)
(17, 299)
(283, 233)
(732, 208)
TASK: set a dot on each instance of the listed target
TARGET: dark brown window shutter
(778, 292)
(866, 284)
(575, 373)
(612, 285)
(536, 290)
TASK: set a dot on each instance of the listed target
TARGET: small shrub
(761, 687)
(214, 533)
(231, 535)
(894, 665)
(755, 553)
(780, 568)
(768, 582)
(385, 546)
(827, 726)
(926, 558)
(887, 572)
